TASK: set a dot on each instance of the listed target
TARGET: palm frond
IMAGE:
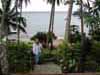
(68, 2)
(0, 18)
(49, 1)
(1, 11)
(22, 29)
(24, 22)
(14, 14)
(27, 1)
(58, 2)
(12, 10)
(14, 26)
(21, 20)
(20, 2)
(8, 5)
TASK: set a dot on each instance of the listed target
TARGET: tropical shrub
(20, 57)
(95, 52)
(48, 56)
(68, 57)
(92, 62)
(75, 35)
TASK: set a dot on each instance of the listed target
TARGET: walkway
(52, 69)
(45, 69)
(48, 68)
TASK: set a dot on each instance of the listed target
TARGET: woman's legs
(37, 58)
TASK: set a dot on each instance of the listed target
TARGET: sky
(41, 5)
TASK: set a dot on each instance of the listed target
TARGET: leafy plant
(69, 57)
(75, 35)
(95, 52)
(20, 59)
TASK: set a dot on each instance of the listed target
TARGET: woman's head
(37, 41)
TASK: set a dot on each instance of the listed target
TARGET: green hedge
(20, 57)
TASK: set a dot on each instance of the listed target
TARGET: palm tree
(3, 54)
(10, 20)
(18, 4)
(88, 19)
(81, 16)
(81, 68)
(52, 14)
(80, 13)
(68, 19)
(7, 20)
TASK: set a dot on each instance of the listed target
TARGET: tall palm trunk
(51, 24)
(18, 35)
(2, 20)
(3, 51)
(17, 22)
(81, 16)
(18, 30)
(3, 60)
(51, 17)
(81, 68)
(68, 21)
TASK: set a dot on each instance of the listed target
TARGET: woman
(37, 46)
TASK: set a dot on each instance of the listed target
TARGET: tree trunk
(3, 60)
(51, 17)
(17, 22)
(52, 28)
(3, 52)
(18, 30)
(51, 24)
(1, 70)
(2, 20)
(81, 16)
(68, 21)
(49, 30)
(81, 68)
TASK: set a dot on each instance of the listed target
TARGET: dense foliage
(75, 35)
(69, 57)
(20, 57)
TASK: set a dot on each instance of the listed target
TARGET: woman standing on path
(37, 47)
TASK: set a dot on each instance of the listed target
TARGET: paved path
(51, 69)
(48, 68)
(45, 69)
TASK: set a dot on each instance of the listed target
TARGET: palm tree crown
(56, 1)
(10, 20)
